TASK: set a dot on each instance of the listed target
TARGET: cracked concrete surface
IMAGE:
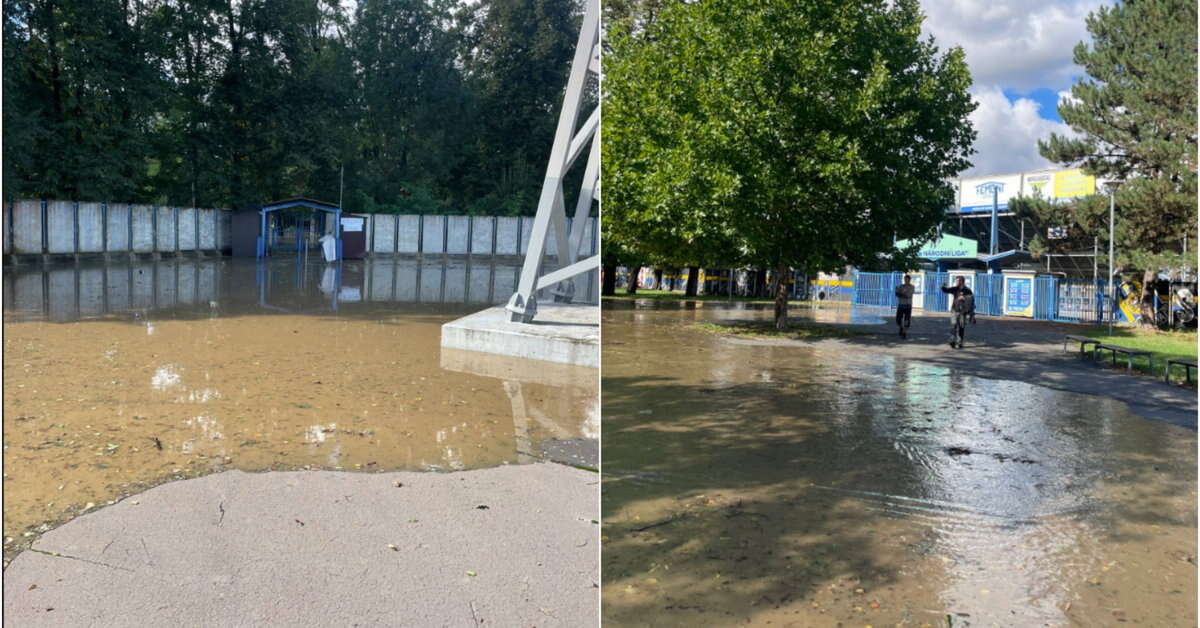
(509, 546)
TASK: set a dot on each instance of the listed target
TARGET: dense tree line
(428, 105)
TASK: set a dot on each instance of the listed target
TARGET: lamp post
(1112, 202)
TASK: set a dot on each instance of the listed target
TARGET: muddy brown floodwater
(791, 486)
(276, 367)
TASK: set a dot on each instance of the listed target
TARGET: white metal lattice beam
(570, 141)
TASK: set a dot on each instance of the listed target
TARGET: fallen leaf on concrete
(471, 573)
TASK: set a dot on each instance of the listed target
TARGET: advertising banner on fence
(977, 193)
(1018, 294)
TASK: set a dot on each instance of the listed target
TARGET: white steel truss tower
(570, 141)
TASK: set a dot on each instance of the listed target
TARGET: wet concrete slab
(566, 333)
(852, 482)
(509, 546)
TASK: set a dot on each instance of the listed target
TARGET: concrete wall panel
(166, 228)
(187, 229)
(385, 235)
(506, 235)
(62, 294)
(118, 227)
(208, 229)
(28, 298)
(410, 227)
(381, 281)
(143, 229)
(27, 227)
(91, 228)
(118, 288)
(458, 228)
(481, 235)
(433, 234)
(60, 221)
(526, 229)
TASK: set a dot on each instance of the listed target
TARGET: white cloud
(1020, 44)
(1008, 133)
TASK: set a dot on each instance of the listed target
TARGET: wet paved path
(1028, 351)
(870, 482)
(324, 549)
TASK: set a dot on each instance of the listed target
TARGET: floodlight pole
(569, 144)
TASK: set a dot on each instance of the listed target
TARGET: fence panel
(989, 294)
(936, 300)
(876, 288)
(1045, 302)
(1079, 301)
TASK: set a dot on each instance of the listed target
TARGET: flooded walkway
(751, 483)
(122, 377)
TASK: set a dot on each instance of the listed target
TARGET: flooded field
(121, 377)
(781, 485)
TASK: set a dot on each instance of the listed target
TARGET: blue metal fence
(1055, 298)
(989, 294)
(876, 288)
(935, 299)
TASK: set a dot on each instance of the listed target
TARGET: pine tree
(1135, 120)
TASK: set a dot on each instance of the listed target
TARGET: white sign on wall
(352, 224)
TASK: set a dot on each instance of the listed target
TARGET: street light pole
(1112, 202)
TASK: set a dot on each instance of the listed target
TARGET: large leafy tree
(788, 134)
(1134, 119)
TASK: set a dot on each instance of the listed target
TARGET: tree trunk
(608, 286)
(781, 296)
(632, 286)
(658, 278)
(692, 280)
(1149, 316)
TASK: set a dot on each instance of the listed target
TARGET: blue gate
(935, 299)
(989, 294)
(1045, 303)
(876, 288)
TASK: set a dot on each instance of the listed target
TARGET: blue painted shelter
(330, 208)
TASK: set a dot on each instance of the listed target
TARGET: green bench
(1187, 365)
(1130, 354)
(1083, 341)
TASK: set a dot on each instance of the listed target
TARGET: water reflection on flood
(299, 284)
(769, 484)
(181, 367)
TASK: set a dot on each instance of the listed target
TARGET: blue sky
(1020, 56)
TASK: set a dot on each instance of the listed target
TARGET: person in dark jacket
(962, 309)
(904, 297)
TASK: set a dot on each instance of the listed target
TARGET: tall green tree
(787, 134)
(427, 105)
(1134, 121)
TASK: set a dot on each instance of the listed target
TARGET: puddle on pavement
(121, 377)
(790, 486)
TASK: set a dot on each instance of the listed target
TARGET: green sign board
(946, 247)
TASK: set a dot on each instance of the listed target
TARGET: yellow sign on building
(1073, 184)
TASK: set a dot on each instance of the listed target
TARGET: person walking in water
(962, 308)
(904, 295)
